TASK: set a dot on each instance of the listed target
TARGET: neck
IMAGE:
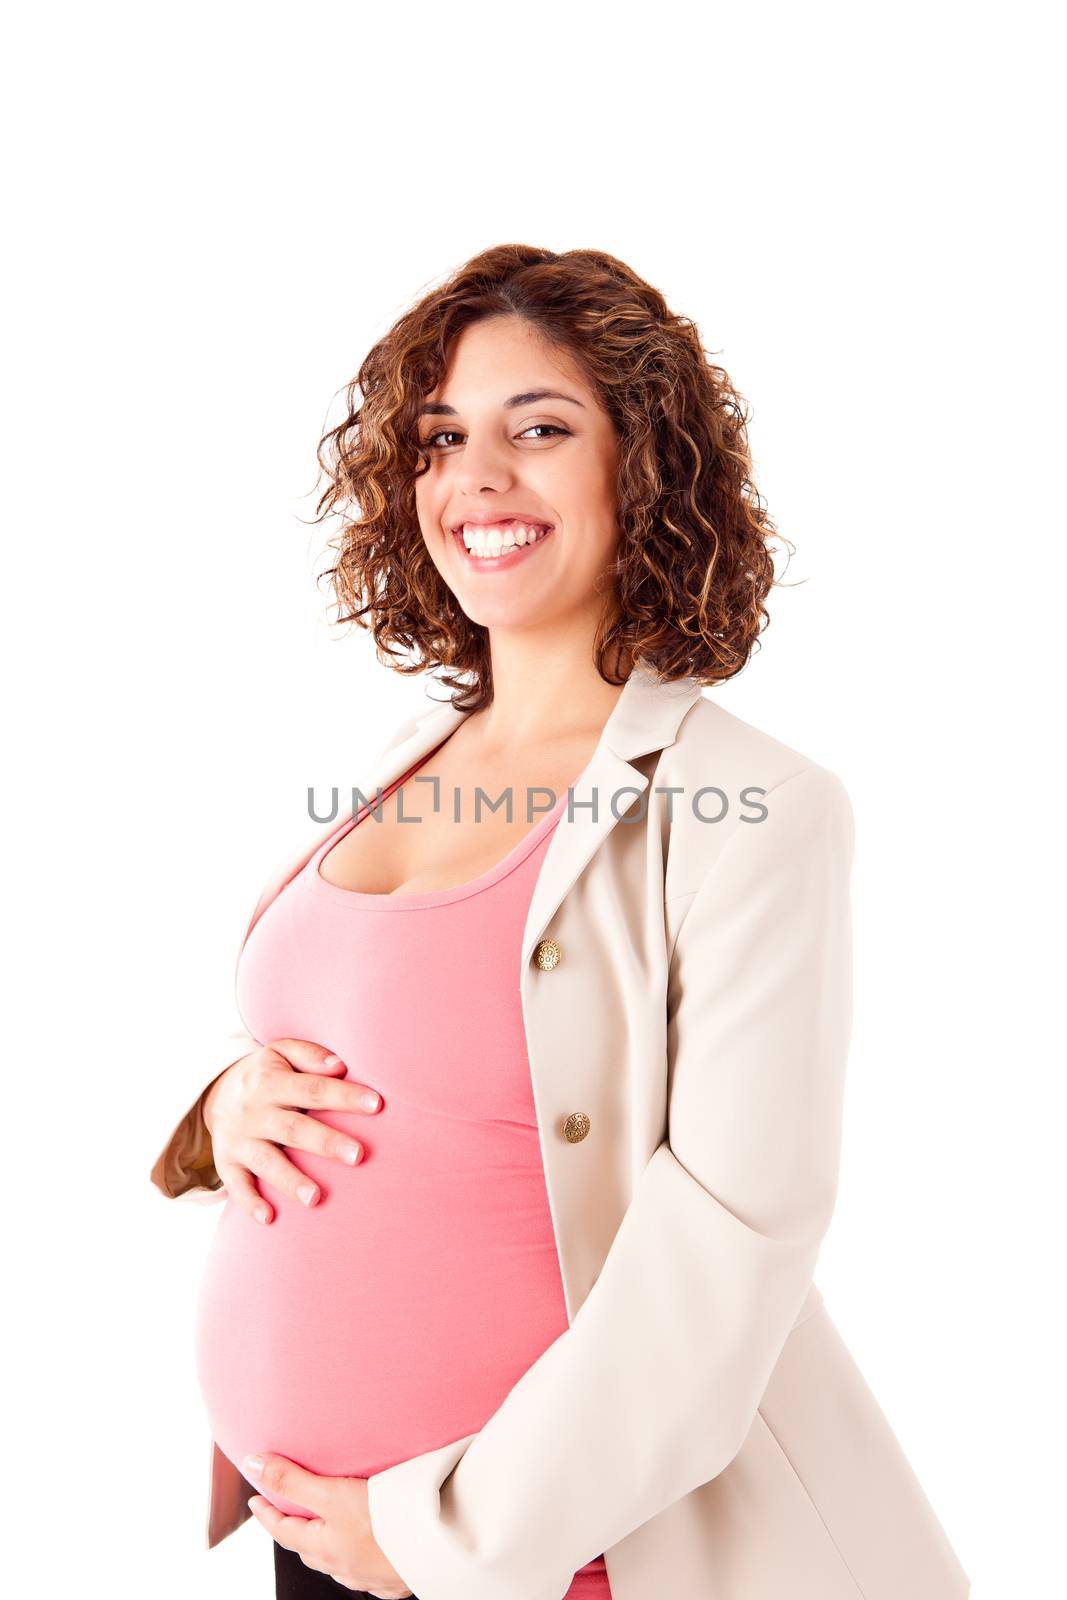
(543, 694)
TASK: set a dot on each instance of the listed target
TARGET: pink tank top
(394, 1315)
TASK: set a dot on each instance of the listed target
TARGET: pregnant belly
(394, 1315)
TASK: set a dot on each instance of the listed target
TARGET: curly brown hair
(694, 563)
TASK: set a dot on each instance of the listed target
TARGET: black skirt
(295, 1581)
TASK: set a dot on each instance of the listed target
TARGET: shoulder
(711, 738)
(736, 781)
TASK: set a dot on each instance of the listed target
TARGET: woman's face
(504, 458)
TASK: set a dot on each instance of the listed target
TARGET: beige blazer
(686, 990)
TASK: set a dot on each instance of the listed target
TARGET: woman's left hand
(339, 1540)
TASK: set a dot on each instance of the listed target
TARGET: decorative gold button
(576, 1127)
(547, 955)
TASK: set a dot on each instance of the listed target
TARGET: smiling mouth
(496, 543)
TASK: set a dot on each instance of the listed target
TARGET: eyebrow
(516, 400)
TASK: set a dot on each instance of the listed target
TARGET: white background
(213, 212)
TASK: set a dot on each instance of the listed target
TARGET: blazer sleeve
(655, 1384)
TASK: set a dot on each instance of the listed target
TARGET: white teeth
(483, 540)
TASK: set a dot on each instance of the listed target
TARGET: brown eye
(546, 427)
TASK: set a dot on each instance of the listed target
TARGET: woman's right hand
(255, 1106)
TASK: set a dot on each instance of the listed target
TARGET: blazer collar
(645, 717)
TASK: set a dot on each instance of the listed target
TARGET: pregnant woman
(530, 1137)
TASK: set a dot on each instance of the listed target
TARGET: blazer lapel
(645, 717)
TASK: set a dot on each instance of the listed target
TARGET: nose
(483, 465)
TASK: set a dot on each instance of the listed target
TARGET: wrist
(207, 1101)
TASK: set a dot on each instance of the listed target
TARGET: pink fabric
(394, 1315)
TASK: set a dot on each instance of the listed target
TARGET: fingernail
(260, 1213)
(254, 1464)
(350, 1153)
(370, 1101)
(306, 1193)
(333, 1061)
